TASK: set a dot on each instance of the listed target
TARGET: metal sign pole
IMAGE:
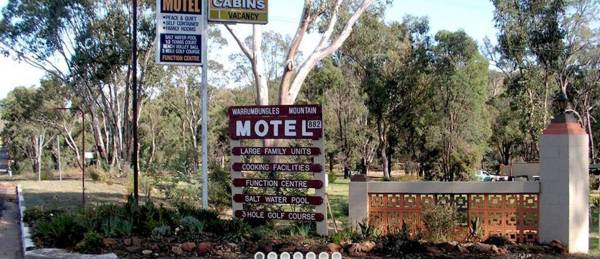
(204, 104)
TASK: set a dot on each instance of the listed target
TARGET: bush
(343, 236)
(301, 229)
(264, 232)
(61, 231)
(594, 182)
(367, 231)
(235, 230)
(116, 227)
(94, 173)
(499, 241)
(190, 227)
(90, 244)
(160, 233)
(440, 221)
(220, 189)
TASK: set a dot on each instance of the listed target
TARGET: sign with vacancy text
(179, 32)
(239, 11)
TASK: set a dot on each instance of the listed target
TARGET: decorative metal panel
(514, 216)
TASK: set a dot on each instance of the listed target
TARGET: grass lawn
(338, 198)
(66, 194)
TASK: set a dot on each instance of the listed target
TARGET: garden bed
(150, 231)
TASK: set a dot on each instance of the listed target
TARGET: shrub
(60, 231)
(366, 230)
(190, 227)
(264, 232)
(160, 233)
(116, 227)
(499, 241)
(235, 230)
(220, 189)
(301, 229)
(343, 236)
(441, 222)
(90, 244)
(95, 174)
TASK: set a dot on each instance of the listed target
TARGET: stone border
(26, 242)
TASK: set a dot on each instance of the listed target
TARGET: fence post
(564, 192)
(358, 200)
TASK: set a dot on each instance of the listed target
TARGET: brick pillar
(564, 192)
(358, 200)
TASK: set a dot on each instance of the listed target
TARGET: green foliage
(220, 189)
(161, 232)
(116, 227)
(91, 243)
(440, 221)
(367, 231)
(301, 229)
(344, 236)
(235, 230)
(263, 232)
(190, 227)
(475, 229)
(331, 176)
(61, 231)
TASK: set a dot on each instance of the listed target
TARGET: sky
(472, 16)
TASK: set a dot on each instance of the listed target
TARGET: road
(9, 227)
(4, 160)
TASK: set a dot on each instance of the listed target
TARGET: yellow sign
(239, 11)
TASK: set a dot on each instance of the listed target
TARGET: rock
(147, 252)
(503, 251)
(132, 249)
(462, 249)
(177, 250)
(355, 251)
(359, 250)
(127, 241)
(155, 247)
(558, 247)
(188, 246)
(484, 248)
(433, 251)
(333, 247)
(367, 246)
(495, 249)
(204, 248)
(136, 241)
(447, 247)
(109, 242)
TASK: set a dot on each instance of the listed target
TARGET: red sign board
(280, 215)
(278, 199)
(276, 167)
(275, 151)
(239, 112)
(271, 183)
(276, 122)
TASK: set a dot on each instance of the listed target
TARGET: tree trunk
(382, 132)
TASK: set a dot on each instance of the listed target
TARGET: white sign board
(179, 32)
(88, 155)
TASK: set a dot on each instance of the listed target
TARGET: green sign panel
(239, 11)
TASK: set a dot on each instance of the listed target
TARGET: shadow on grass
(70, 200)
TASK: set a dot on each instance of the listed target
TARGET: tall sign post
(181, 29)
(285, 122)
